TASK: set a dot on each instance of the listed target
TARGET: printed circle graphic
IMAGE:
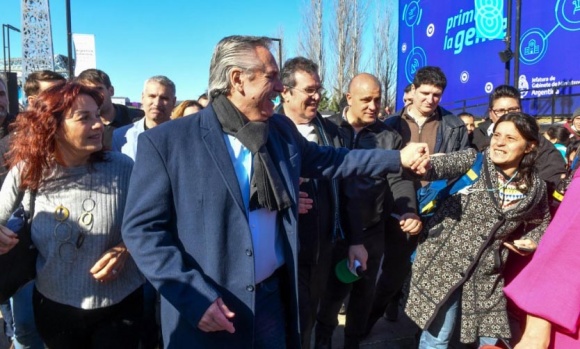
(533, 46)
(489, 21)
(488, 87)
(404, 47)
(568, 14)
(416, 59)
(464, 76)
(430, 30)
(412, 13)
(496, 3)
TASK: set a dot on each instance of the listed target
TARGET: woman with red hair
(87, 288)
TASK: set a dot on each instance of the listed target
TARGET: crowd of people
(218, 222)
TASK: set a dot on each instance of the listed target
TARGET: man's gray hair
(161, 80)
(234, 52)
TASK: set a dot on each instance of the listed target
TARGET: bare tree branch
(340, 40)
(359, 13)
(384, 51)
(311, 37)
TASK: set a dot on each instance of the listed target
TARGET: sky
(137, 39)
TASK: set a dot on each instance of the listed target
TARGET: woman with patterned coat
(457, 274)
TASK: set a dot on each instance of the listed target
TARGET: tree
(312, 35)
(384, 52)
(340, 39)
(359, 19)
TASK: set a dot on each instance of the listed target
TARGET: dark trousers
(151, 328)
(361, 292)
(62, 326)
(270, 315)
(399, 247)
(312, 280)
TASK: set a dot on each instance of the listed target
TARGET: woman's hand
(536, 334)
(8, 239)
(522, 247)
(110, 265)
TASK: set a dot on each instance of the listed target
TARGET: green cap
(344, 274)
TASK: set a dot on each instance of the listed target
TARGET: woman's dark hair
(34, 143)
(571, 148)
(559, 133)
(530, 131)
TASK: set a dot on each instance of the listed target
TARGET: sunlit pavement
(385, 334)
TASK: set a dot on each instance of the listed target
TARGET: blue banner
(464, 38)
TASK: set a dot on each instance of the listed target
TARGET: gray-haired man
(158, 100)
(212, 208)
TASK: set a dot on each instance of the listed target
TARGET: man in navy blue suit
(211, 214)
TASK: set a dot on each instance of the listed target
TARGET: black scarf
(266, 187)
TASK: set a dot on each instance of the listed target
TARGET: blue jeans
(439, 333)
(25, 334)
(6, 311)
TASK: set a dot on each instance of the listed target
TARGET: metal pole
(517, 42)
(69, 40)
(8, 49)
(508, 41)
(279, 50)
(4, 44)
(553, 105)
(6, 28)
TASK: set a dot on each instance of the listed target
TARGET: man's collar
(408, 115)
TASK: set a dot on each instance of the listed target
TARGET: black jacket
(321, 225)
(367, 202)
(452, 133)
(4, 127)
(480, 137)
(550, 164)
(123, 116)
(5, 145)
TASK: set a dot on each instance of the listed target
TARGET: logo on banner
(431, 29)
(488, 87)
(489, 22)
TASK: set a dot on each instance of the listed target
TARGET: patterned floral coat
(463, 248)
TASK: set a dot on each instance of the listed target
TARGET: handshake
(415, 157)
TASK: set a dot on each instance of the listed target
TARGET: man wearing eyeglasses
(505, 99)
(319, 223)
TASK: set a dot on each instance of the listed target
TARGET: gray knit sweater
(63, 268)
